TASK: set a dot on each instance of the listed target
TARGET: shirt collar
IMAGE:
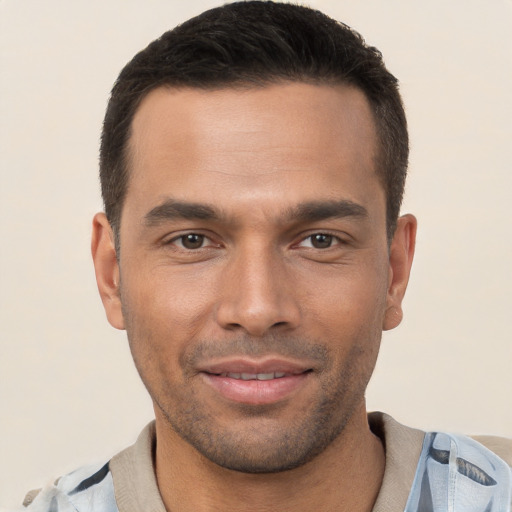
(136, 488)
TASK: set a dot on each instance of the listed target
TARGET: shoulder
(128, 479)
(411, 439)
(501, 446)
(88, 489)
(426, 467)
(460, 473)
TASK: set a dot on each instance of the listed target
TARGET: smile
(254, 376)
(256, 386)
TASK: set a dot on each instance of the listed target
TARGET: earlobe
(401, 253)
(107, 269)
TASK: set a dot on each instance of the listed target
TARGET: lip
(243, 365)
(291, 377)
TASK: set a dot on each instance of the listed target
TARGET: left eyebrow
(321, 210)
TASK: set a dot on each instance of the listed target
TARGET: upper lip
(246, 365)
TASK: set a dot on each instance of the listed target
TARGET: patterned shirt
(453, 474)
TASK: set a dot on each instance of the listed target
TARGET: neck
(345, 477)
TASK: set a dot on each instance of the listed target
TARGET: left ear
(401, 253)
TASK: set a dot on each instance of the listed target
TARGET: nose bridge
(255, 293)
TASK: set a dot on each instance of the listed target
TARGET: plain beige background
(69, 394)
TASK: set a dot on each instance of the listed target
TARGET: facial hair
(263, 443)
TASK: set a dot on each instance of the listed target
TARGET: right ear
(106, 266)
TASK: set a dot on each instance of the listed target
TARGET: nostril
(255, 312)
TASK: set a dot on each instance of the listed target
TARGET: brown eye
(192, 241)
(321, 241)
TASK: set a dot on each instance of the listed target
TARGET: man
(252, 165)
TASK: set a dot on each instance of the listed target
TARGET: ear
(107, 269)
(401, 253)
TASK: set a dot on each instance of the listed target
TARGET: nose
(257, 294)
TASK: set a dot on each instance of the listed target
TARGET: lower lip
(256, 392)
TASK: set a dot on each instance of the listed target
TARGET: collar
(136, 488)
(403, 448)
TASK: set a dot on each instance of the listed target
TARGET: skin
(254, 233)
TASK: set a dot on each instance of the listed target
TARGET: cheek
(166, 302)
(347, 298)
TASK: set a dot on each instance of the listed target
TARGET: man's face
(254, 267)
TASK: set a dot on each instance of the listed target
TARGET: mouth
(255, 376)
(256, 383)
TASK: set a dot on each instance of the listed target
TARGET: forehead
(215, 146)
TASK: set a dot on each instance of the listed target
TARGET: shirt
(425, 472)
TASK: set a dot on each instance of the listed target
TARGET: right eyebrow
(171, 209)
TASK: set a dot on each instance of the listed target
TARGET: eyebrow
(172, 209)
(310, 211)
(321, 210)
